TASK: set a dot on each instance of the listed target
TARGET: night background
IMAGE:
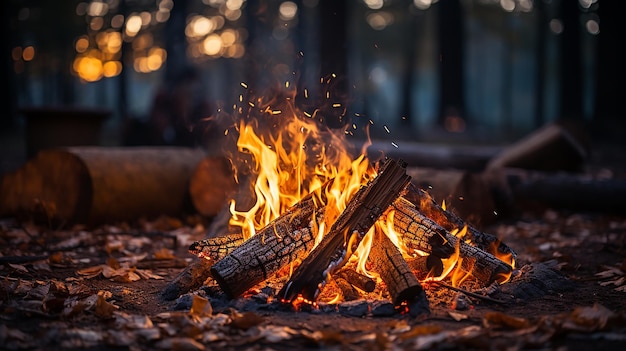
(475, 72)
(129, 219)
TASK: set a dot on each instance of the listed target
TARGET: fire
(284, 154)
(292, 155)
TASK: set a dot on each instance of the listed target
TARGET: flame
(291, 155)
(286, 154)
(506, 257)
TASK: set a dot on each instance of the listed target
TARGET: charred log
(427, 206)
(413, 228)
(387, 261)
(357, 279)
(284, 240)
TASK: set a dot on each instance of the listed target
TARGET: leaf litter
(91, 292)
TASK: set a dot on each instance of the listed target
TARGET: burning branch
(281, 242)
(426, 205)
(361, 213)
(421, 233)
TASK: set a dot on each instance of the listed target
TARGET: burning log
(413, 228)
(387, 261)
(425, 205)
(281, 242)
(362, 211)
(468, 193)
(214, 249)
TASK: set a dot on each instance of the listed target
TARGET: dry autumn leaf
(502, 320)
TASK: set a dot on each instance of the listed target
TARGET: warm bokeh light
(117, 21)
(212, 45)
(97, 8)
(422, 4)
(82, 44)
(592, 26)
(556, 26)
(28, 53)
(507, 5)
(16, 53)
(199, 26)
(374, 4)
(287, 10)
(380, 20)
(112, 68)
(133, 25)
(88, 68)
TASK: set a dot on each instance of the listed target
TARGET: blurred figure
(176, 111)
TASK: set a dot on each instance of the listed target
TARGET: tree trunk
(450, 39)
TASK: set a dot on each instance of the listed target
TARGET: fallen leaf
(179, 344)
(18, 267)
(200, 307)
(164, 254)
(592, 318)
(246, 320)
(104, 309)
(457, 316)
(499, 319)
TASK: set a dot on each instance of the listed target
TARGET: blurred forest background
(479, 71)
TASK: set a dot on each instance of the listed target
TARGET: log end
(212, 182)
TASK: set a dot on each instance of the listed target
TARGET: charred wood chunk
(426, 266)
(357, 279)
(362, 211)
(347, 290)
(192, 277)
(386, 259)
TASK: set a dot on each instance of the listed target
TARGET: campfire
(331, 225)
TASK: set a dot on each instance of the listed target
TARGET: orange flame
(291, 155)
(288, 154)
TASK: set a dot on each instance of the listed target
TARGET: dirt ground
(100, 289)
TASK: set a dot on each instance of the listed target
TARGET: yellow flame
(290, 156)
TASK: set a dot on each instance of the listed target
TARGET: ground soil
(46, 303)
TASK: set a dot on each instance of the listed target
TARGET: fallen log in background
(465, 193)
(361, 212)
(387, 261)
(521, 189)
(555, 147)
(212, 183)
(92, 185)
